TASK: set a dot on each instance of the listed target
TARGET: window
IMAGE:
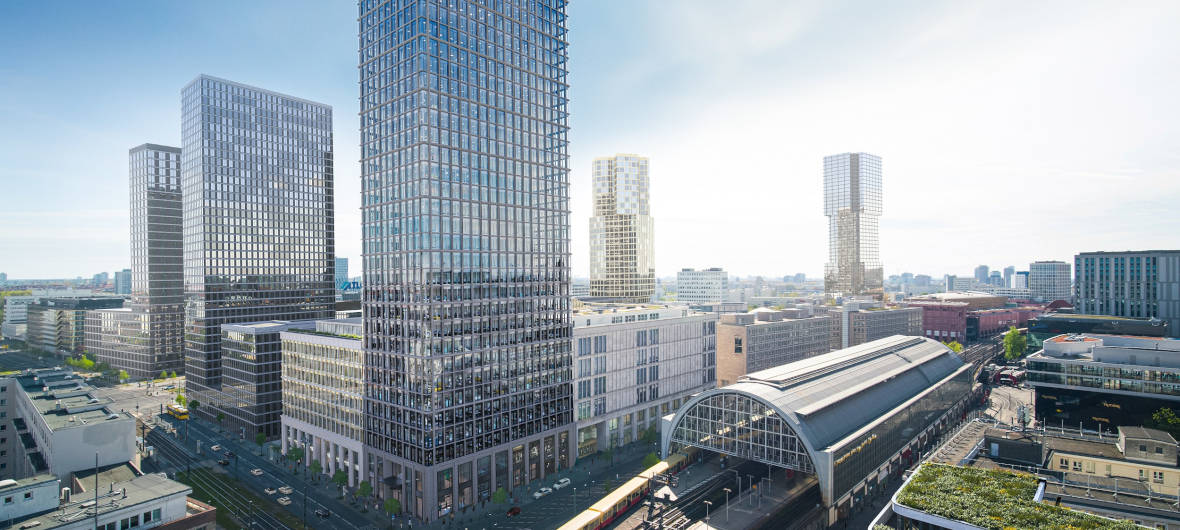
(640, 358)
(640, 376)
(653, 373)
(1063, 463)
(641, 395)
(7, 500)
(737, 344)
(600, 344)
(1157, 477)
(600, 364)
(1077, 465)
(1089, 467)
(640, 338)
(1159, 450)
(584, 346)
(584, 389)
(655, 355)
(653, 336)
(1142, 448)
(583, 367)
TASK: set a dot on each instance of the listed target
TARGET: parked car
(514, 511)
(215, 448)
(270, 491)
(286, 490)
(322, 513)
(285, 501)
(561, 483)
(541, 493)
(223, 461)
(256, 472)
(228, 454)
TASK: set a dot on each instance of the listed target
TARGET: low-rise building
(765, 338)
(701, 287)
(145, 501)
(1046, 326)
(859, 322)
(633, 364)
(323, 396)
(943, 321)
(58, 325)
(16, 316)
(973, 299)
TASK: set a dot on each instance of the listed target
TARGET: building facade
(123, 281)
(765, 338)
(635, 365)
(707, 286)
(852, 203)
(16, 316)
(323, 394)
(1049, 281)
(1020, 280)
(622, 237)
(58, 325)
(855, 323)
(943, 321)
(257, 183)
(341, 278)
(1130, 284)
(251, 375)
(465, 186)
(981, 273)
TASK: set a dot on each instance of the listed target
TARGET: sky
(1009, 131)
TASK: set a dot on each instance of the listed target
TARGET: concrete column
(284, 430)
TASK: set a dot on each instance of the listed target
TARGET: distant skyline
(1005, 139)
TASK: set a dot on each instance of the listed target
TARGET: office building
(765, 338)
(58, 325)
(634, 365)
(1130, 284)
(1103, 381)
(16, 316)
(942, 321)
(100, 279)
(973, 299)
(341, 274)
(1020, 280)
(323, 395)
(859, 322)
(1009, 272)
(854, 418)
(1050, 325)
(257, 181)
(622, 237)
(251, 376)
(852, 203)
(147, 337)
(1049, 281)
(123, 281)
(981, 273)
(959, 283)
(707, 286)
(995, 279)
(468, 382)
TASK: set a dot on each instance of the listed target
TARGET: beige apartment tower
(622, 257)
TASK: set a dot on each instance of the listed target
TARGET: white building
(635, 364)
(145, 501)
(622, 238)
(1049, 281)
(701, 287)
(16, 316)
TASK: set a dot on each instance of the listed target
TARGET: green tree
(392, 506)
(954, 346)
(1014, 343)
(500, 496)
(260, 439)
(295, 454)
(163, 374)
(364, 489)
(180, 400)
(316, 468)
(340, 478)
(607, 485)
(650, 460)
(651, 436)
(1165, 420)
(173, 374)
(123, 375)
(220, 418)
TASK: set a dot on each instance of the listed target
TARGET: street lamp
(727, 492)
(707, 505)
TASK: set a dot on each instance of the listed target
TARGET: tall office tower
(465, 201)
(256, 172)
(622, 237)
(100, 279)
(1009, 271)
(147, 337)
(995, 279)
(1129, 284)
(1049, 281)
(852, 202)
(341, 273)
(981, 274)
(1020, 280)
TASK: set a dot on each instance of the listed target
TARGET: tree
(650, 460)
(607, 485)
(316, 468)
(260, 439)
(1014, 344)
(180, 400)
(1165, 420)
(193, 405)
(295, 454)
(163, 374)
(340, 478)
(364, 489)
(651, 436)
(220, 418)
(173, 374)
(954, 346)
(500, 496)
(392, 506)
(123, 375)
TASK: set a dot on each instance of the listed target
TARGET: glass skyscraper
(852, 202)
(466, 247)
(622, 233)
(257, 181)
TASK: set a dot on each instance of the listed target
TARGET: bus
(178, 412)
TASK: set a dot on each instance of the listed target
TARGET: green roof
(992, 498)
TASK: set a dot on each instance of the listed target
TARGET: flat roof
(22, 483)
(69, 402)
(1144, 433)
(139, 490)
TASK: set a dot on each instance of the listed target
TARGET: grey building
(58, 325)
(1009, 271)
(341, 278)
(981, 273)
(466, 246)
(251, 376)
(858, 322)
(636, 364)
(16, 316)
(257, 180)
(1129, 284)
(147, 337)
(622, 231)
(852, 203)
(765, 338)
(1049, 280)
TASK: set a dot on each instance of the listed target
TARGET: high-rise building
(622, 238)
(1020, 280)
(981, 273)
(1129, 284)
(257, 180)
(100, 279)
(701, 287)
(995, 279)
(123, 281)
(341, 273)
(58, 325)
(465, 185)
(852, 202)
(1009, 271)
(1049, 281)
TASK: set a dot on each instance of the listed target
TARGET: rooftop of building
(1077, 316)
(1112, 349)
(9, 484)
(829, 396)
(91, 302)
(119, 496)
(1144, 433)
(111, 474)
(341, 328)
(991, 498)
(65, 399)
(1114, 252)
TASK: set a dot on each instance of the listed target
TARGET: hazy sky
(1009, 131)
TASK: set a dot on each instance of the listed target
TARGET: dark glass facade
(465, 242)
(258, 219)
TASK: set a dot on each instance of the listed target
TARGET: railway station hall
(854, 418)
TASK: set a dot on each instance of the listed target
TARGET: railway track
(224, 495)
